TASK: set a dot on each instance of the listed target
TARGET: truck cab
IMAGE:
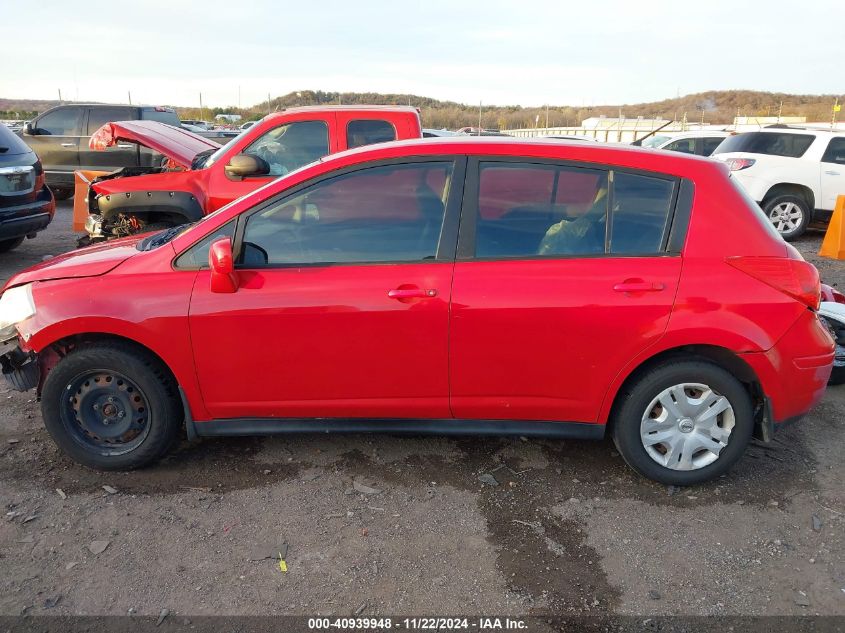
(204, 177)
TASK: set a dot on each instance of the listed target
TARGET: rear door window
(368, 131)
(835, 152)
(62, 122)
(530, 210)
(98, 117)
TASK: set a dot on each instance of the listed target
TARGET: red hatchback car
(458, 286)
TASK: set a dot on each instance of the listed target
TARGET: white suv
(699, 142)
(795, 174)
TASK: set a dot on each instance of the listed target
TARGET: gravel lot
(388, 525)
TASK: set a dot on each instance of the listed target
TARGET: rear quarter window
(642, 206)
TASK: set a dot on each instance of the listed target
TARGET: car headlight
(16, 305)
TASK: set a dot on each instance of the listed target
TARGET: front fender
(103, 307)
(182, 203)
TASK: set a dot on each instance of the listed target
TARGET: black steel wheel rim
(105, 412)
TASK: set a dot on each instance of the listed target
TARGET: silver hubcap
(786, 216)
(686, 426)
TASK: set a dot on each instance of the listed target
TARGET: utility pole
(60, 95)
(780, 111)
(129, 95)
(202, 116)
(836, 108)
(479, 118)
(239, 97)
(547, 116)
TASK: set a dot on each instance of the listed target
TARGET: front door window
(290, 146)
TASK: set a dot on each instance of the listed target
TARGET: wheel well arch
(792, 189)
(153, 206)
(720, 356)
(53, 353)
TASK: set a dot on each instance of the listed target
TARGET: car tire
(652, 438)
(61, 193)
(8, 245)
(789, 214)
(111, 406)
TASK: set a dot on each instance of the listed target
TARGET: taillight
(794, 277)
(737, 164)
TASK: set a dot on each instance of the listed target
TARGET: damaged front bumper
(19, 368)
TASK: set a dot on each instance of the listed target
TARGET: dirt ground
(402, 525)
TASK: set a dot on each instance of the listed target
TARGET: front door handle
(68, 144)
(412, 293)
(125, 146)
(638, 285)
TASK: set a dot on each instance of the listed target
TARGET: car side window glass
(379, 214)
(710, 145)
(369, 131)
(197, 256)
(290, 146)
(640, 214)
(63, 122)
(530, 210)
(685, 145)
(98, 117)
(835, 152)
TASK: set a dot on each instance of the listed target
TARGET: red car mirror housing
(223, 276)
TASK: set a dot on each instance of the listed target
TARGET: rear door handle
(832, 173)
(125, 146)
(638, 285)
(68, 144)
(412, 293)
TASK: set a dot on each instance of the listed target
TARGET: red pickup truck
(198, 176)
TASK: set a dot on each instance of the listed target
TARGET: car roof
(699, 133)
(503, 145)
(349, 108)
(796, 130)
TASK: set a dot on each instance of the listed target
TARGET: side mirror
(223, 276)
(243, 165)
(28, 129)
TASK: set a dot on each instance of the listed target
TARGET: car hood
(84, 262)
(177, 144)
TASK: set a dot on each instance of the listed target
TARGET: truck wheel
(110, 406)
(60, 193)
(683, 423)
(7, 245)
(789, 214)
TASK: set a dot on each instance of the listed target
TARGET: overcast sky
(526, 53)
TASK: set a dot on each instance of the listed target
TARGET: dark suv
(26, 204)
(60, 138)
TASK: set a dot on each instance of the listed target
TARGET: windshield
(213, 156)
(771, 143)
(654, 141)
